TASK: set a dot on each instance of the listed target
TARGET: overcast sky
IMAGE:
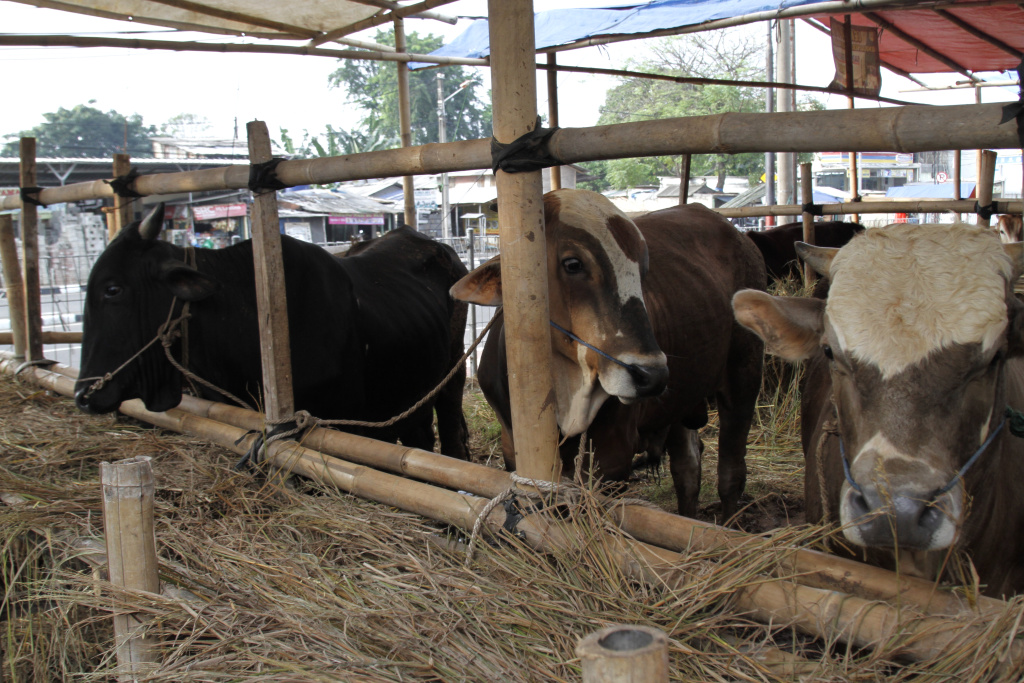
(291, 91)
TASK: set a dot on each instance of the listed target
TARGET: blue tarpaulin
(564, 26)
(929, 191)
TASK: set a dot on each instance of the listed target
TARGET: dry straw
(267, 583)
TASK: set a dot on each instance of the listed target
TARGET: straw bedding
(267, 583)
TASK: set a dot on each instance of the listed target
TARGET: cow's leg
(684, 455)
(417, 430)
(736, 399)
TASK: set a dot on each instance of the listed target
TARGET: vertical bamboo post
(807, 192)
(131, 555)
(30, 255)
(123, 212)
(405, 123)
(524, 272)
(13, 285)
(270, 287)
(986, 179)
(854, 171)
(684, 179)
(624, 654)
(556, 171)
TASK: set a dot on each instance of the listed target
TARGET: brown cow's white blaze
(915, 328)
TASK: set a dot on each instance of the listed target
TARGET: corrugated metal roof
(335, 202)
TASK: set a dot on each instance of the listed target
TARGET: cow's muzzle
(649, 380)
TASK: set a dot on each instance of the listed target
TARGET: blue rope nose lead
(628, 366)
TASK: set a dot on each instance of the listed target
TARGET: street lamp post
(442, 137)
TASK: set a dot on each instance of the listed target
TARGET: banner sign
(211, 213)
(867, 74)
(365, 219)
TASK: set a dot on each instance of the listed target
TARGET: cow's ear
(186, 283)
(818, 258)
(482, 286)
(790, 326)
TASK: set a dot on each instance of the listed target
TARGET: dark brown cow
(1011, 228)
(777, 245)
(596, 258)
(915, 353)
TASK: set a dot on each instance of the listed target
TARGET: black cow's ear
(186, 283)
(482, 286)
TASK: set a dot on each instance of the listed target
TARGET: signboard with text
(212, 213)
(366, 219)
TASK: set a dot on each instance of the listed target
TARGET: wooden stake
(986, 179)
(123, 212)
(270, 287)
(131, 555)
(405, 123)
(624, 654)
(524, 273)
(30, 255)
(555, 171)
(13, 285)
(807, 190)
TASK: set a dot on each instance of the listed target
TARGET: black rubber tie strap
(814, 209)
(122, 185)
(263, 177)
(28, 195)
(1015, 110)
(528, 152)
(985, 212)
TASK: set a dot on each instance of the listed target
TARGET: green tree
(85, 131)
(185, 126)
(732, 55)
(373, 87)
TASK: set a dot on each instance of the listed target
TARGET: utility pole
(769, 157)
(442, 137)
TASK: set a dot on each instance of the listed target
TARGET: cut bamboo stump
(624, 654)
(131, 555)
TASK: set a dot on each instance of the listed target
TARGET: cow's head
(596, 259)
(1011, 228)
(917, 326)
(128, 298)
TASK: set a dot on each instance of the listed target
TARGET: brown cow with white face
(914, 356)
(654, 295)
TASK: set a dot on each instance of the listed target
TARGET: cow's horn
(150, 226)
(819, 258)
(1015, 250)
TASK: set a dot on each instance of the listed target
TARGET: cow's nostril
(650, 380)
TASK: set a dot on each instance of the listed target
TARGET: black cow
(370, 334)
(777, 244)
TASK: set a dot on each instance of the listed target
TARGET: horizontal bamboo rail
(898, 129)
(660, 528)
(48, 337)
(826, 614)
(867, 207)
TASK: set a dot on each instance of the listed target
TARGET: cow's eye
(827, 350)
(112, 291)
(572, 265)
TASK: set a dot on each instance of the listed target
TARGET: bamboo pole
(48, 337)
(654, 526)
(854, 171)
(275, 345)
(13, 285)
(986, 179)
(901, 129)
(30, 254)
(807, 191)
(122, 205)
(684, 179)
(131, 556)
(922, 206)
(552, 78)
(405, 123)
(523, 245)
(624, 654)
(824, 613)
